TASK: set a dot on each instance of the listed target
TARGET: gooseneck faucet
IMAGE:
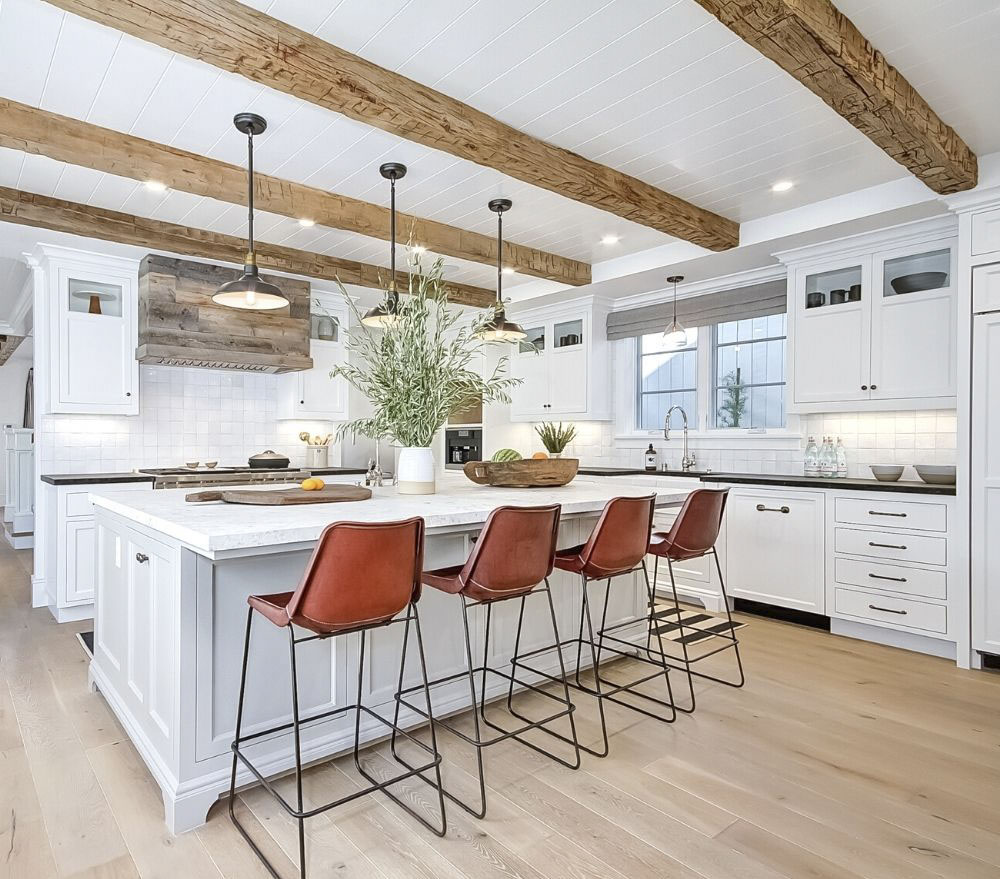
(687, 460)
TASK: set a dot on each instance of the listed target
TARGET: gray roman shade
(741, 303)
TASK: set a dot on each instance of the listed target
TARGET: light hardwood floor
(839, 759)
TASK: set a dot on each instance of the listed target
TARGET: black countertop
(792, 481)
(336, 471)
(638, 471)
(94, 478)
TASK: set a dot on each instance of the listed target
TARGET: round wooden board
(330, 494)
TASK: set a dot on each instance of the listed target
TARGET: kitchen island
(172, 580)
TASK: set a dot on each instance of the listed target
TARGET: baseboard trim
(784, 614)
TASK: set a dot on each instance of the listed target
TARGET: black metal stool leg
(298, 752)
(481, 811)
(517, 650)
(732, 631)
(239, 714)
(684, 647)
(597, 676)
(430, 717)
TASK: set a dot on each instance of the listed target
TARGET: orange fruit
(539, 456)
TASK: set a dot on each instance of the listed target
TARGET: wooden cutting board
(330, 494)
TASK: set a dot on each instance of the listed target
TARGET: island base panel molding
(168, 647)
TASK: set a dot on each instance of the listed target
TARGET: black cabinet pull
(883, 577)
(141, 557)
(887, 545)
(762, 509)
(887, 609)
(880, 513)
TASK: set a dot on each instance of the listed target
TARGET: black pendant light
(384, 314)
(675, 333)
(499, 329)
(250, 291)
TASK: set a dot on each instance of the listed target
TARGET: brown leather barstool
(616, 546)
(512, 558)
(335, 598)
(693, 535)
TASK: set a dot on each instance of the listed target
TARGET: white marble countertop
(211, 528)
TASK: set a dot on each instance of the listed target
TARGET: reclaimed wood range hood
(179, 325)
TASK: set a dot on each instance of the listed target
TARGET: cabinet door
(774, 549)
(830, 338)
(913, 332)
(79, 538)
(96, 369)
(531, 365)
(319, 395)
(568, 379)
(986, 483)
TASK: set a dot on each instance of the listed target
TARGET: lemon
(310, 484)
(319, 484)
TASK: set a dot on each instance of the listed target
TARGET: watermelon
(507, 455)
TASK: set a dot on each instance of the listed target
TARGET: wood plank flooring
(839, 759)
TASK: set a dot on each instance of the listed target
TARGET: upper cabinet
(872, 322)
(88, 310)
(563, 364)
(310, 394)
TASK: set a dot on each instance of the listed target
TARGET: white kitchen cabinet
(70, 547)
(873, 322)
(310, 394)
(775, 547)
(19, 487)
(564, 364)
(89, 316)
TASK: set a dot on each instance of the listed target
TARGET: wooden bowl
(528, 473)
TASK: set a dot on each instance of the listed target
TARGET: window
(733, 373)
(667, 376)
(749, 370)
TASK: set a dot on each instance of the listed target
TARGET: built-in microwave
(462, 444)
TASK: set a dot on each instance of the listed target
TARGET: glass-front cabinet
(872, 321)
(91, 314)
(562, 363)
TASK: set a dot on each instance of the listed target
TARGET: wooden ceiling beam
(89, 146)
(818, 45)
(238, 38)
(29, 209)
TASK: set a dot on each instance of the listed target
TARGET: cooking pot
(269, 460)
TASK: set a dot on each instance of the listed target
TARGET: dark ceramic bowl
(919, 281)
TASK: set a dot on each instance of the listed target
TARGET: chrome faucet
(687, 460)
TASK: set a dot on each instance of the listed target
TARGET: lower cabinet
(775, 548)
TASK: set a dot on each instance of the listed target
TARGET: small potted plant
(555, 437)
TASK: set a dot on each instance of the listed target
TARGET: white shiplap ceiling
(660, 90)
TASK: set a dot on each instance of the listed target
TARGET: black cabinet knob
(864, 387)
(141, 557)
(128, 393)
(874, 387)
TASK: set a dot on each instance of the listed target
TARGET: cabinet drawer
(78, 503)
(986, 288)
(895, 514)
(904, 613)
(891, 578)
(985, 232)
(892, 545)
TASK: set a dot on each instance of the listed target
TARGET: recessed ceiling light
(507, 270)
(782, 186)
(419, 248)
(611, 239)
(305, 223)
(155, 186)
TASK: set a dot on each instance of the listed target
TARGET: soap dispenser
(649, 458)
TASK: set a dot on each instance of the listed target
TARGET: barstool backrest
(360, 573)
(697, 525)
(620, 538)
(514, 553)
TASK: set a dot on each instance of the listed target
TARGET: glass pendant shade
(675, 334)
(499, 329)
(250, 292)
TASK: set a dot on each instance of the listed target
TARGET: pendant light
(499, 329)
(250, 291)
(384, 314)
(675, 334)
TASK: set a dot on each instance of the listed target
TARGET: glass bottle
(649, 458)
(841, 456)
(827, 459)
(810, 465)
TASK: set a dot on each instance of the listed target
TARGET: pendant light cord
(392, 235)
(250, 192)
(500, 258)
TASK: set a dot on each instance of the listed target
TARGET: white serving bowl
(887, 472)
(936, 474)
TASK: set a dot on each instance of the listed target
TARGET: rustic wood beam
(90, 146)
(29, 209)
(242, 40)
(818, 45)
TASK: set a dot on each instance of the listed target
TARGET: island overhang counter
(172, 579)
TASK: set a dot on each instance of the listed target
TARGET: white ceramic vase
(415, 471)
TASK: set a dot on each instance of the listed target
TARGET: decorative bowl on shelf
(887, 472)
(935, 474)
(526, 473)
(918, 281)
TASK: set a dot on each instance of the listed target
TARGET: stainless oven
(462, 444)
